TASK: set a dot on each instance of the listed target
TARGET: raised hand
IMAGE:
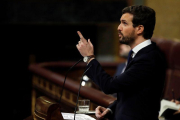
(84, 47)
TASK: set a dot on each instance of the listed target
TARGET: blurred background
(34, 31)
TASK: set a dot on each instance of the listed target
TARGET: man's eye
(124, 23)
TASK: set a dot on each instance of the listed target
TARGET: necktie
(130, 56)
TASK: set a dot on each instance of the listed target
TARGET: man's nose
(119, 27)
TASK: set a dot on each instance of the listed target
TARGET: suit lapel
(141, 52)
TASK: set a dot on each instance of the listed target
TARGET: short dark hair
(142, 15)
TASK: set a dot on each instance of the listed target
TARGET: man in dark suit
(140, 86)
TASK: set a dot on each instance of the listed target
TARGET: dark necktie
(130, 56)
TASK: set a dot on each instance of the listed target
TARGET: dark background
(46, 29)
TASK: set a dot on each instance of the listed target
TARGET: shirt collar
(140, 46)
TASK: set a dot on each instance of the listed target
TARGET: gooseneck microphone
(66, 76)
(79, 90)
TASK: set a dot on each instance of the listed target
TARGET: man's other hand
(101, 112)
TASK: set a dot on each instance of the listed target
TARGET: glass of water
(83, 105)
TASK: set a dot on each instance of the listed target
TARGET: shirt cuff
(90, 61)
(110, 110)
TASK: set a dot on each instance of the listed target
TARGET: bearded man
(139, 87)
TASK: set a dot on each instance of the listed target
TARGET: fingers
(177, 112)
(80, 43)
(105, 112)
(77, 46)
(90, 43)
(81, 37)
(84, 47)
(176, 101)
(100, 112)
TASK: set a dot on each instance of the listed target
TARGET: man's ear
(140, 29)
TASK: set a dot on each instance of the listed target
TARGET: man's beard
(128, 39)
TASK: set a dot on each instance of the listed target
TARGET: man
(139, 87)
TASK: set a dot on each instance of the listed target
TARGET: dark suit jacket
(138, 89)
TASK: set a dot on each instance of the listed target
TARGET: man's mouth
(120, 35)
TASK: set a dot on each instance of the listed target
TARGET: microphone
(66, 76)
(79, 90)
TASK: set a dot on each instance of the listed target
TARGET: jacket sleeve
(113, 106)
(133, 78)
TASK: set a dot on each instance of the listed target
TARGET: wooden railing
(48, 78)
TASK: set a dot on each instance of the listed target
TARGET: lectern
(46, 109)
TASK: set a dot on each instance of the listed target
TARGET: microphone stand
(79, 90)
(65, 78)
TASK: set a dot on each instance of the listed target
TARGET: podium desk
(31, 117)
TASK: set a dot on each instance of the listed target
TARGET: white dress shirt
(140, 46)
(137, 48)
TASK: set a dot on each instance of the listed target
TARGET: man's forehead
(126, 17)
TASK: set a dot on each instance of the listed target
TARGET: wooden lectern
(46, 109)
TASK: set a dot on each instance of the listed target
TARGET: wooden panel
(49, 83)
